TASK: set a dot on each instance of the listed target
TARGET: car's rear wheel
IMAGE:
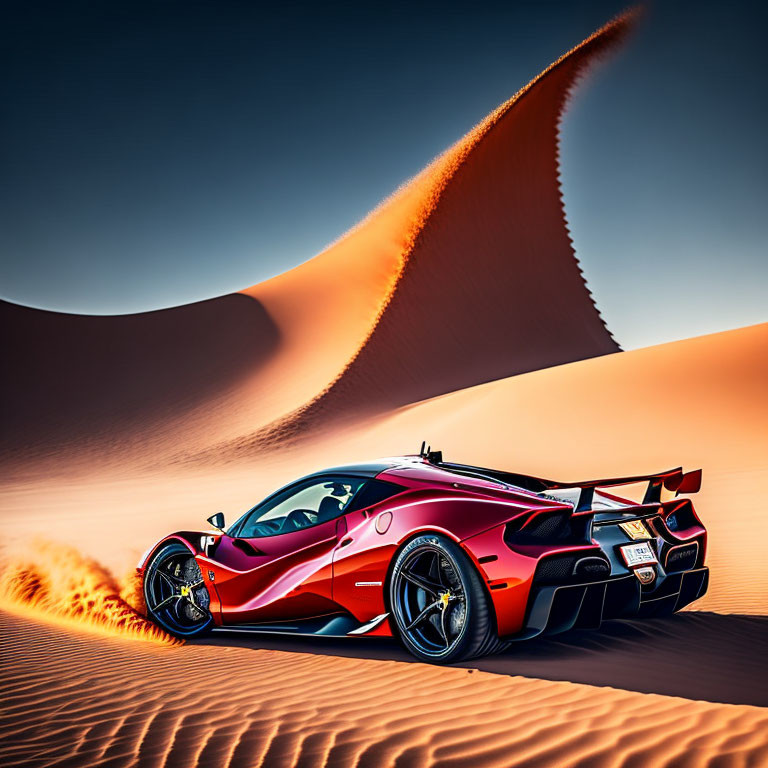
(175, 594)
(439, 604)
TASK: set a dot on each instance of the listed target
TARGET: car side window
(310, 503)
(374, 492)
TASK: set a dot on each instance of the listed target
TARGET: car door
(277, 564)
(364, 552)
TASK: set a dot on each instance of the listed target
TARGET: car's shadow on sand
(695, 655)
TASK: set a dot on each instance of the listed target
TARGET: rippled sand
(71, 699)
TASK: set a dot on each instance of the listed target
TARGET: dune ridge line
(437, 178)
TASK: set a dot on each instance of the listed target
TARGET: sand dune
(471, 255)
(69, 699)
(75, 381)
(489, 285)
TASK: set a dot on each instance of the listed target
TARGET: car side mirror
(217, 520)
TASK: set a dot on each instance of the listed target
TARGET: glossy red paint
(343, 565)
(274, 578)
(509, 577)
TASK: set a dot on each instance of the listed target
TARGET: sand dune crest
(465, 275)
(489, 284)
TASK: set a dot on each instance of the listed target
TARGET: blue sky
(156, 154)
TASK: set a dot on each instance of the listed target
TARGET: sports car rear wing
(673, 480)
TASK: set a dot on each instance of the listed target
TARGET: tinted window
(310, 503)
(372, 493)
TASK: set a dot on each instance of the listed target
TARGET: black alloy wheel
(439, 603)
(176, 596)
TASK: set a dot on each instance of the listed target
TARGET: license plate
(638, 554)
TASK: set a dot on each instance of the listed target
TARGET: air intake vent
(246, 548)
(682, 558)
(550, 527)
(592, 568)
(555, 569)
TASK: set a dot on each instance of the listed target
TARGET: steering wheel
(266, 528)
(299, 518)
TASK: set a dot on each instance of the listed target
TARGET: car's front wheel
(439, 604)
(174, 591)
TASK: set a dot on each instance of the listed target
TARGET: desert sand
(456, 313)
(124, 703)
(373, 322)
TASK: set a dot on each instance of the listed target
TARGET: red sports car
(454, 560)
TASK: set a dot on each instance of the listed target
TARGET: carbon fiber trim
(554, 609)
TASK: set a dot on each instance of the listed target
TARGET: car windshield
(300, 506)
